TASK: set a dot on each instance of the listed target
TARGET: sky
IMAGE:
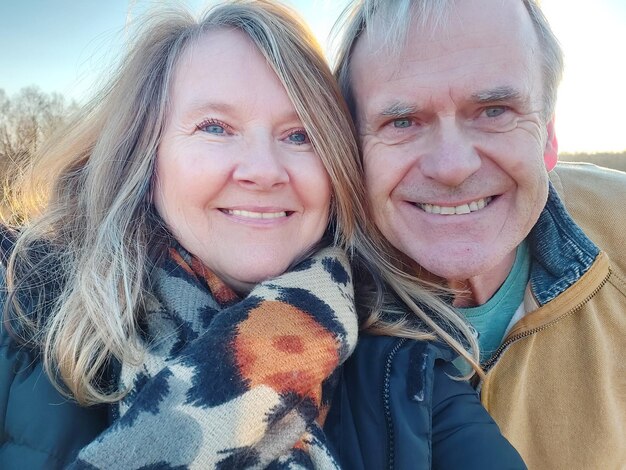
(65, 46)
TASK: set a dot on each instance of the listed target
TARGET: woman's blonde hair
(78, 273)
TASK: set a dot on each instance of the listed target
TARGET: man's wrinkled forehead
(379, 55)
(386, 37)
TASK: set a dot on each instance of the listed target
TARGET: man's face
(453, 139)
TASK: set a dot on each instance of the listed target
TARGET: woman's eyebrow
(199, 106)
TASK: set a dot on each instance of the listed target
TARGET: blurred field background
(614, 160)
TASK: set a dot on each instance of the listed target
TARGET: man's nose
(451, 156)
(260, 165)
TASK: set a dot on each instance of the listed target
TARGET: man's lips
(465, 208)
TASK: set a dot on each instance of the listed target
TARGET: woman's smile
(238, 181)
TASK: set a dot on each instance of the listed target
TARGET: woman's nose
(261, 165)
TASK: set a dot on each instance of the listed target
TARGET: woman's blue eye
(495, 111)
(298, 137)
(401, 123)
(213, 129)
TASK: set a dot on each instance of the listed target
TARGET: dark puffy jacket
(40, 428)
(397, 408)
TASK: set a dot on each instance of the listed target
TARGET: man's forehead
(478, 20)
(469, 50)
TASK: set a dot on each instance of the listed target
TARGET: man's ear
(551, 152)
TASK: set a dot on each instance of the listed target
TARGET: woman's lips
(250, 214)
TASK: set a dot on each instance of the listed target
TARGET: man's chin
(473, 271)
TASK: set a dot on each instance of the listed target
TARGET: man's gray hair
(388, 22)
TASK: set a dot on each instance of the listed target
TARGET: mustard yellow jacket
(557, 386)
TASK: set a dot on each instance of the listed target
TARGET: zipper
(386, 402)
(491, 362)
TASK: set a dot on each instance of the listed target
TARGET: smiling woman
(237, 178)
(188, 264)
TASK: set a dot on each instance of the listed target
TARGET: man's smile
(466, 208)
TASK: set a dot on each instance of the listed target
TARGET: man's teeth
(256, 215)
(451, 210)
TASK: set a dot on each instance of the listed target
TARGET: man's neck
(477, 290)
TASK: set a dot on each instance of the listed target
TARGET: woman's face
(237, 180)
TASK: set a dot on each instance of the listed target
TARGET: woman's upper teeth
(256, 215)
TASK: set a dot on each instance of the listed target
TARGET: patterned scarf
(229, 382)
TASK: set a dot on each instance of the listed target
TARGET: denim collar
(561, 252)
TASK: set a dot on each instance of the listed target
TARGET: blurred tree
(26, 119)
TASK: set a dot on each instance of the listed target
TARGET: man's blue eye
(213, 129)
(495, 111)
(298, 138)
(401, 123)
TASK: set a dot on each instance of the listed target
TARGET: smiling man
(454, 104)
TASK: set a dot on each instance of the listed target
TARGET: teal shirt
(491, 319)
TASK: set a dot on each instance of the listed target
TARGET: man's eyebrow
(503, 93)
(398, 110)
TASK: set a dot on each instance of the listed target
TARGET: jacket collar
(561, 252)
